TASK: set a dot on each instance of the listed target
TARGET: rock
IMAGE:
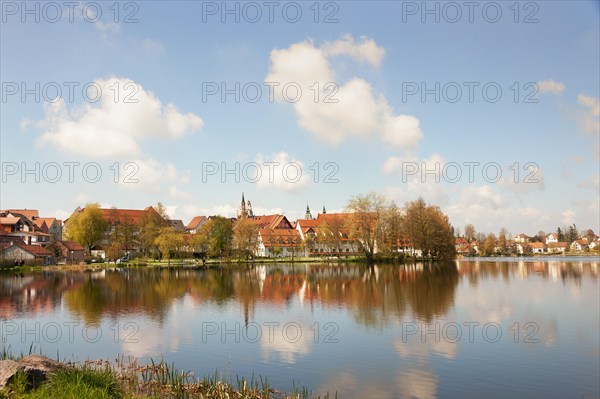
(36, 368)
(8, 369)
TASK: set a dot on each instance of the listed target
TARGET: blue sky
(169, 54)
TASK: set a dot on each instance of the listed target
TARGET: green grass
(128, 380)
(80, 383)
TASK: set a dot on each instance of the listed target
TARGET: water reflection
(370, 306)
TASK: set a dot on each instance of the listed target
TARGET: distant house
(328, 235)
(522, 238)
(474, 247)
(595, 244)
(579, 245)
(537, 247)
(29, 254)
(557, 247)
(10, 223)
(31, 237)
(279, 242)
(194, 226)
(68, 252)
(551, 238)
(177, 224)
(14, 220)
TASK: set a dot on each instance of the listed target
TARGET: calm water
(474, 329)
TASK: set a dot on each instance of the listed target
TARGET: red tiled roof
(537, 245)
(9, 220)
(28, 213)
(270, 221)
(72, 245)
(36, 250)
(193, 224)
(272, 237)
(557, 245)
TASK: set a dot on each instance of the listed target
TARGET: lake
(482, 328)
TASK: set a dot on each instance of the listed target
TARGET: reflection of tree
(375, 295)
(431, 293)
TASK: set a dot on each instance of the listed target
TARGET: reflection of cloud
(416, 348)
(346, 385)
(151, 340)
(285, 343)
(417, 383)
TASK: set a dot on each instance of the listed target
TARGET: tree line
(378, 227)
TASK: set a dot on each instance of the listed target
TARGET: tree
(333, 233)
(221, 235)
(560, 235)
(169, 240)
(502, 240)
(200, 244)
(573, 234)
(150, 226)
(429, 230)
(470, 232)
(122, 234)
(392, 227)
(541, 236)
(589, 234)
(488, 246)
(245, 237)
(366, 225)
(87, 227)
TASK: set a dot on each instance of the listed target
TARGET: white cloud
(353, 110)
(111, 128)
(82, 198)
(550, 86)
(279, 171)
(483, 196)
(176, 193)
(528, 181)
(107, 28)
(589, 119)
(365, 51)
(150, 175)
(154, 47)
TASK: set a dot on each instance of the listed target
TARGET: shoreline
(218, 263)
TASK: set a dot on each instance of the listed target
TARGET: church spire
(308, 215)
(243, 212)
(324, 210)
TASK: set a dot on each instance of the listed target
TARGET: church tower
(324, 210)
(249, 212)
(243, 213)
(308, 215)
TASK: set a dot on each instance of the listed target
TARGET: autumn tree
(87, 227)
(245, 237)
(168, 241)
(470, 232)
(150, 225)
(332, 232)
(502, 240)
(429, 230)
(366, 222)
(392, 228)
(488, 246)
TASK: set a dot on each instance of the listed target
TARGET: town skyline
(511, 147)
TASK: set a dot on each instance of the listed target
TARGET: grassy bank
(128, 380)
